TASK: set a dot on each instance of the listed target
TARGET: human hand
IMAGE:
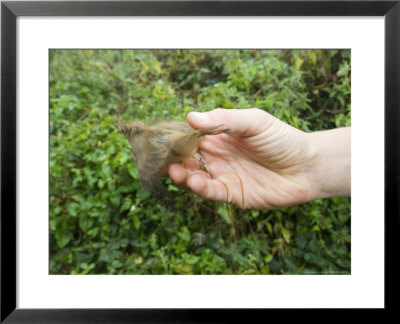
(261, 163)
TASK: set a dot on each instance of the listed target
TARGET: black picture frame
(10, 10)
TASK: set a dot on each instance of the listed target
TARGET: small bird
(155, 146)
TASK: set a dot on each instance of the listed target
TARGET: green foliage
(102, 222)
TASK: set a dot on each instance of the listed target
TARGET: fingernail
(201, 117)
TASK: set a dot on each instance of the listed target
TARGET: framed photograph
(160, 160)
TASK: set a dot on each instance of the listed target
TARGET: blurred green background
(102, 222)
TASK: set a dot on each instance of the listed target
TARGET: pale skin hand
(263, 163)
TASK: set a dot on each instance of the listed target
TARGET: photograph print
(194, 161)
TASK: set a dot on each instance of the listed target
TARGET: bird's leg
(203, 162)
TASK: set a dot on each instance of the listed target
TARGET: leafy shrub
(101, 220)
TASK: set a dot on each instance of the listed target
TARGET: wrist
(330, 163)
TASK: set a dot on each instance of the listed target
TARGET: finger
(192, 164)
(209, 188)
(178, 174)
(243, 122)
(216, 147)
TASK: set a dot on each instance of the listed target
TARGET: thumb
(243, 122)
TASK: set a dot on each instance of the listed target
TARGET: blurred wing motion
(155, 146)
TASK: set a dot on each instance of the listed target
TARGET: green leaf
(190, 259)
(85, 222)
(315, 228)
(115, 200)
(269, 227)
(136, 222)
(127, 204)
(300, 241)
(63, 237)
(299, 63)
(224, 213)
(133, 171)
(184, 234)
(286, 234)
(73, 208)
(106, 170)
(172, 188)
(101, 184)
(268, 258)
(106, 256)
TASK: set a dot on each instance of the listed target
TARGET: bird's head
(132, 129)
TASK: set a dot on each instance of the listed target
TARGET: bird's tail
(155, 187)
(212, 131)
